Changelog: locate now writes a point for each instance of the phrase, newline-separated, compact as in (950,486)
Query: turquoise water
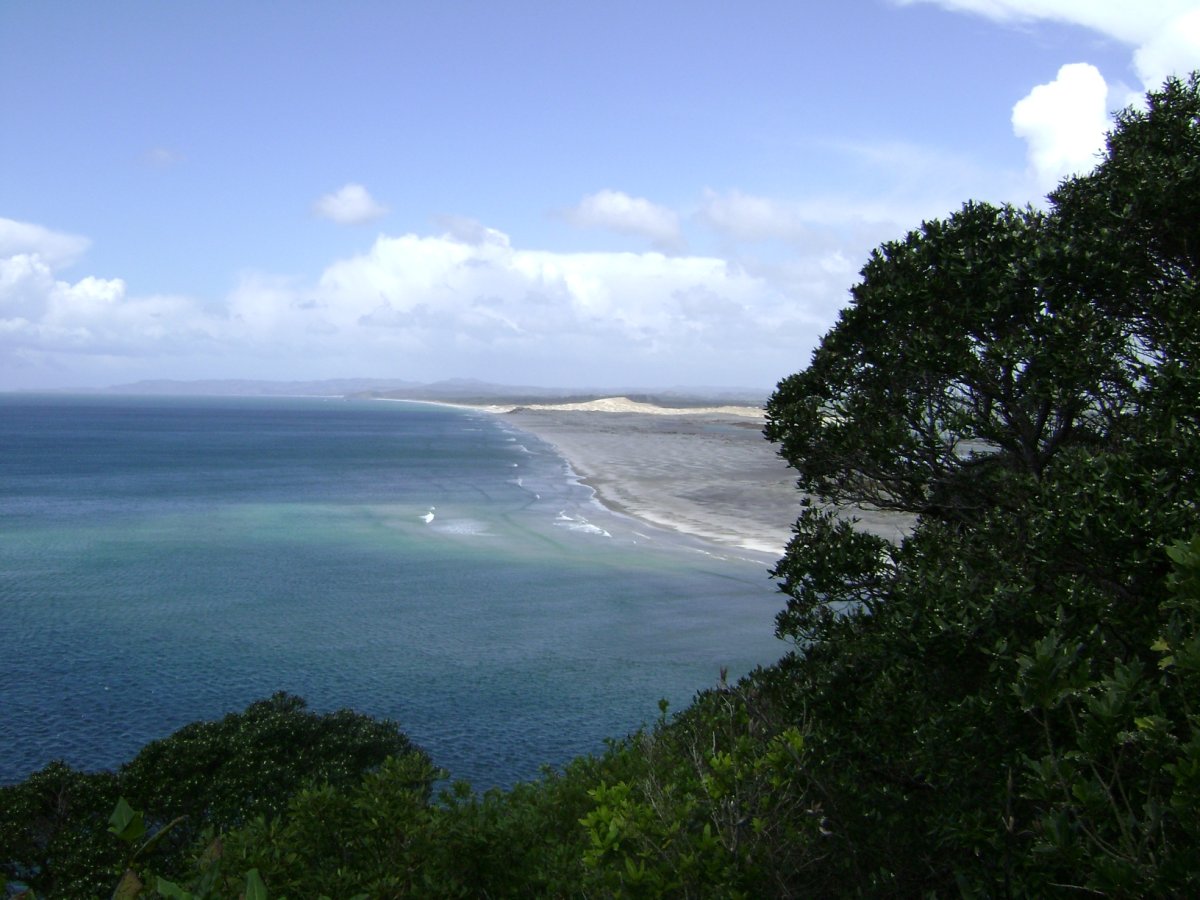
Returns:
(166,560)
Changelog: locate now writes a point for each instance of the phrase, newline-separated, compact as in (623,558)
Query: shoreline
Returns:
(704,472)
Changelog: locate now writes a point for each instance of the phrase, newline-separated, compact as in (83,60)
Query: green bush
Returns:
(53,834)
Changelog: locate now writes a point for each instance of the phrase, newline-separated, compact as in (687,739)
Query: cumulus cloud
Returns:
(619,212)
(492,290)
(90,316)
(350,204)
(55,248)
(467,302)
(1172,50)
(55,322)
(1064,123)
(442,305)
(1062,120)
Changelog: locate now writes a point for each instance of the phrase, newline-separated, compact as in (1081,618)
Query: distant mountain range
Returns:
(244,387)
(454,390)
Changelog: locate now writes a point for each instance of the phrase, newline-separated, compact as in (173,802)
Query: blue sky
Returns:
(567,194)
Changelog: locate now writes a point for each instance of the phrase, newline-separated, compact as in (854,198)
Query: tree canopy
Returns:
(1025,383)
(983,355)
(216,774)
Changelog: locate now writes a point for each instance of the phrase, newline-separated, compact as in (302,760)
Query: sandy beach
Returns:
(708,472)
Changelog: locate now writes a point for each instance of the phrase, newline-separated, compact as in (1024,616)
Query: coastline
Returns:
(707,472)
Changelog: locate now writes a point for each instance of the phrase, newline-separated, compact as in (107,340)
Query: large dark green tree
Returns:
(1025,385)
(972,346)
(984,355)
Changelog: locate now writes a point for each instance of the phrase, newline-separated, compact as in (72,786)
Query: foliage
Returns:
(1118,791)
(52,834)
(207,774)
(128,826)
(1138,212)
(985,357)
(718,804)
(369,838)
(971,353)
(250,763)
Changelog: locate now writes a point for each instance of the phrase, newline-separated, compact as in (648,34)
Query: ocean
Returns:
(164,560)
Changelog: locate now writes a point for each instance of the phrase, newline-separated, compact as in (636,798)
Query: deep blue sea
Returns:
(167,560)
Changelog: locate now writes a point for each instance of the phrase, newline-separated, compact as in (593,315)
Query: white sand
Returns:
(625,405)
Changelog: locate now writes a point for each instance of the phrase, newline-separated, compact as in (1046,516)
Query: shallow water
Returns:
(165,560)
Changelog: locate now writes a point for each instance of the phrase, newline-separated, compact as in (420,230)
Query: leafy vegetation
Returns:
(208,775)
(1002,704)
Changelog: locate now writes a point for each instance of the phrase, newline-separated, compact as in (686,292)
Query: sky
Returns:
(622,194)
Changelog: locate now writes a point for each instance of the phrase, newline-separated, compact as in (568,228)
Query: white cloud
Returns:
(624,214)
(91,316)
(745,217)
(1064,123)
(58,322)
(1062,120)
(55,248)
(465,303)
(1172,50)
(816,219)
(1127,21)
(437,306)
(350,204)
(490,291)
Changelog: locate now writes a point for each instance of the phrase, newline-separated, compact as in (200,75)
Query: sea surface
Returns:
(164,560)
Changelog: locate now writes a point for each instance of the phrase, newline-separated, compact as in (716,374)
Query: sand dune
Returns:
(625,405)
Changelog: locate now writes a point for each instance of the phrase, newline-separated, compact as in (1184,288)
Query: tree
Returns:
(1139,211)
(216,774)
(970,348)
(995,705)
(980,353)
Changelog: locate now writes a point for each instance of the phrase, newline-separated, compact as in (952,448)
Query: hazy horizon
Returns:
(448,387)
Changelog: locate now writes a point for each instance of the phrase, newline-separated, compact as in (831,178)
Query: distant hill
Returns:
(242,387)
(469,391)
(454,390)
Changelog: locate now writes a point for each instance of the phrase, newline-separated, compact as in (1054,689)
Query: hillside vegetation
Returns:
(1005,704)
